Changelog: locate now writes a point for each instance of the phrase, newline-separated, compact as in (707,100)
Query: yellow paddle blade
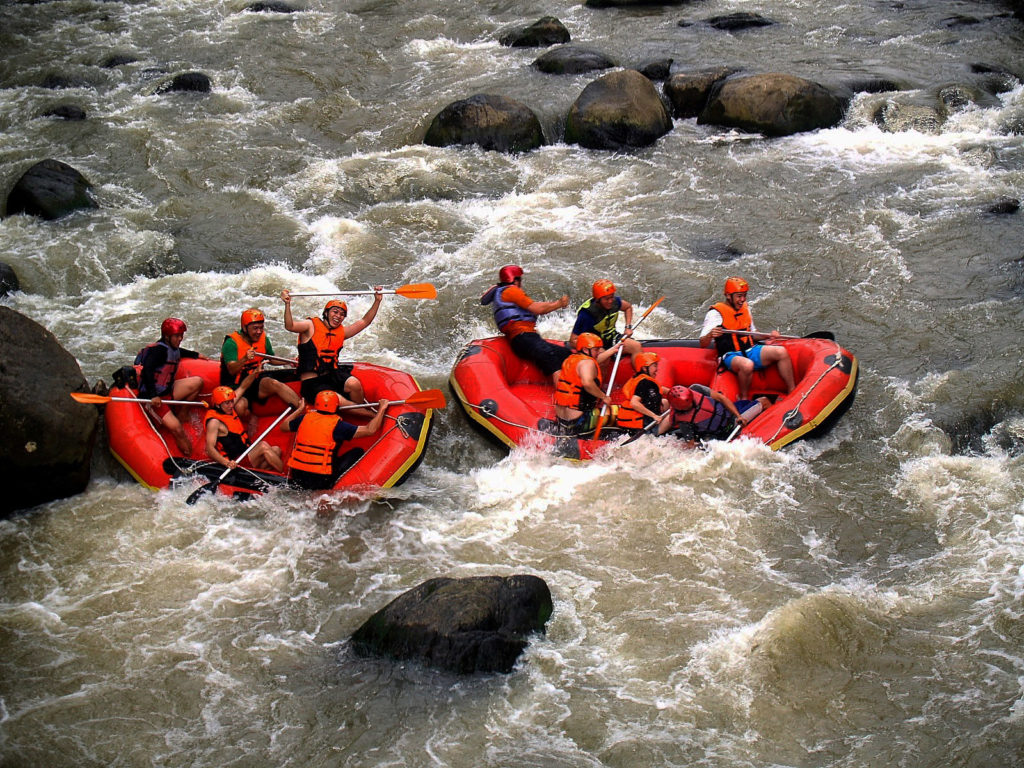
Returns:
(417,291)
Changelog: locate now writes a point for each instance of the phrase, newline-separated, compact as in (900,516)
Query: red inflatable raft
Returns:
(511,400)
(381,460)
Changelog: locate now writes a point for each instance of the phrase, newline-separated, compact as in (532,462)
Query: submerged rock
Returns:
(773,104)
(270,6)
(476,624)
(187,81)
(46,438)
(490,121)
(631,3)
(66,112)
(736,22)
(117,60)
(621,110)
(9,282)
(572,60)
(50,189)
(543,32)
(657,69)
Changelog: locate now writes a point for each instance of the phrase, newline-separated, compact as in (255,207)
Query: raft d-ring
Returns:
(489,408)
(845,363)
(793,419)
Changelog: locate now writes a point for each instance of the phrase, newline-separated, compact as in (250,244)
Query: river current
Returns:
(850,601)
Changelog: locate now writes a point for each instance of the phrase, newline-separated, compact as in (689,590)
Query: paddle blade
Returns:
(209,487)
(428,398)
(417,291)
(88,397)
(651,308)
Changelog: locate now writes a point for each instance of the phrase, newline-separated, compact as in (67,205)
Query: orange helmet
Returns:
(735,285)
(509,273)
(252,315)
(680,397)
(327,401)
(603,288)
(335,303)
(644,359)
(222,395)
(588,341)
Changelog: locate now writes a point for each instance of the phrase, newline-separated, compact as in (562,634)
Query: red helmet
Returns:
(509,273)
(171,326)
(221,395)
(736,285)
(588,341)
(335,303)
(252,315)
(604,288)
(680,397)
(327,401)
(644,359)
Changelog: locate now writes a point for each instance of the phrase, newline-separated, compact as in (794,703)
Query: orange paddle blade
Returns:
(428,398)
(650,308)
(88,397)
(417,291)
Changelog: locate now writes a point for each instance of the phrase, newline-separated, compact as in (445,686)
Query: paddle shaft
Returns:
(87,397)
(276,359)
(255,442)
(618,357)
(769,337)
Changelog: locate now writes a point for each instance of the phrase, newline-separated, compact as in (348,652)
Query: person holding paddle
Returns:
(578,389)
(320,342)
(516,314)
(600,314)
(729,326)
(700,413)
(159,362)
(313,463)
(226,438)
(242,354)
(644,398)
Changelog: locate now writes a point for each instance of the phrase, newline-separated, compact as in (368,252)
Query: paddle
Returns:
(647,429)
(427,398)
(276,359)
(735,431)
(816,335)
(211,486)
(88,397)
(615,367)
(411,291)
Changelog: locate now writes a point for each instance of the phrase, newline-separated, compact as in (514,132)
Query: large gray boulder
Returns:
(572,60)
(773,104)
(46,438)
(50,189)
(476,624)
(621,110)
(490,121)
(688,92)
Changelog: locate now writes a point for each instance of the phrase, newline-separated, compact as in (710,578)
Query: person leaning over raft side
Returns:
(515,314)
(238,358)
(159,362)
(644,403)
(578,390)
(226,439)
(741,353)
(320,342)
(600,314)
(319,432)
(700,413)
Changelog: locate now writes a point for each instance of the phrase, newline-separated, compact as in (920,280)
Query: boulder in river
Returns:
(688,92)
(488,120)
(270,6)
(572,60)
(65,111)
(9,282)
(737,22)
(542,33)
(631,3)
(621,110)
(476,624)
(118,60)
(774,104)
(47,438)
(187,81)
(50,189)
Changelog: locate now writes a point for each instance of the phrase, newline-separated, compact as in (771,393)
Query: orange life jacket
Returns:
(629,417)
(243,344)
(734,320)
(569,391)
(229,444)
(320,353)
(314,443)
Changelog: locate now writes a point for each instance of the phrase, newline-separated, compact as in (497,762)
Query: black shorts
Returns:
(333,380)
(546,355)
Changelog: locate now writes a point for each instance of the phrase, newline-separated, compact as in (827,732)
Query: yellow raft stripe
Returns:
(475,415)
(823,414)
(131,471)
(421,444)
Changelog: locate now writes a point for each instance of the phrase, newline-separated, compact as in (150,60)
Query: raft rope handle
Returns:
(142,404)
(826,372)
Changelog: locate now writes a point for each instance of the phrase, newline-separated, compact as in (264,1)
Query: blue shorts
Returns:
(753,354)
